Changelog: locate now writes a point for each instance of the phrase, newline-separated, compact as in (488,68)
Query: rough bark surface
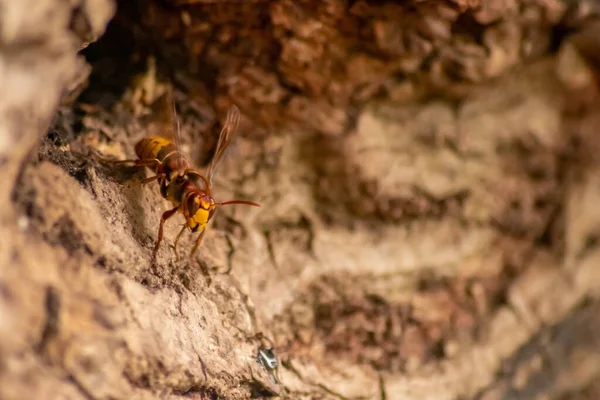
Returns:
(429,182)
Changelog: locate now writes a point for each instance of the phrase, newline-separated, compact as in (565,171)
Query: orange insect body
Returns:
(163,150)
(186,188)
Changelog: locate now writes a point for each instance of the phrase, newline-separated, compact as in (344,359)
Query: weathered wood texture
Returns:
(429,182)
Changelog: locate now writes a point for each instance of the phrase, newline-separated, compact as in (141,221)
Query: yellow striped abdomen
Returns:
(153,147)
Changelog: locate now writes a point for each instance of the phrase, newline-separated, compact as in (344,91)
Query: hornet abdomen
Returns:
(164,151)
(154,147)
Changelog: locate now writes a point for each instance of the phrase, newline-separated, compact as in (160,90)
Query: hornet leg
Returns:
(177,240)
(197,243)
(166,215)
(161,176)
(142,182)
(140,163)
(153,164)
(200,264)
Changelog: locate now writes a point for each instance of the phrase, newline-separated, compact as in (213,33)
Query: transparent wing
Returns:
(164,123)
(175,130)
(225,138)
(160,120)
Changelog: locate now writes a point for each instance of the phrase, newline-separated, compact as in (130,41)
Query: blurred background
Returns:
(428,177)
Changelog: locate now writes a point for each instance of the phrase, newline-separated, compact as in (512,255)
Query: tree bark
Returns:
(428,179)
